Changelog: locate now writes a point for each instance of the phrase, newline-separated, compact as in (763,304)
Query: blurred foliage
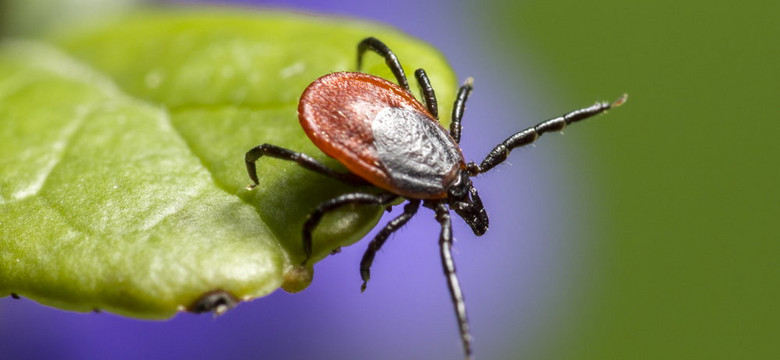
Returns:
(688,249)
(36,17)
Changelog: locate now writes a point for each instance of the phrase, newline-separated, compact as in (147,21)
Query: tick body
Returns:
(388,139)
(381,133)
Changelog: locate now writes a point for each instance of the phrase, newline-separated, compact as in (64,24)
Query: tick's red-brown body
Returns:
(381,133)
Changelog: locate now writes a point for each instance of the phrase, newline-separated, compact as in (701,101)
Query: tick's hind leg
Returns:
(391,60)
(303,160)
(335,203)
(368,257)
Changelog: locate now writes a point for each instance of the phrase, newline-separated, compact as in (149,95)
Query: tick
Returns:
(388,139)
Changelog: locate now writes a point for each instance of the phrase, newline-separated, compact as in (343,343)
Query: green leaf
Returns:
(123,184)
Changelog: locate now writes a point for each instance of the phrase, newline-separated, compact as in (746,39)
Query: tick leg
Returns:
(303,160)
(527,136)
(427,92)
(459,107)
(445,246)
(335,203)
(391,60)
(368,257)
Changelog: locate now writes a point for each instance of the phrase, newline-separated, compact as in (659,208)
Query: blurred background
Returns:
(647,233)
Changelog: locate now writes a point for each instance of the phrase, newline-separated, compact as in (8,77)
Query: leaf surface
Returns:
(124,185)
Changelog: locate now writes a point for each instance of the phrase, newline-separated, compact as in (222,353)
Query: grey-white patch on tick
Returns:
(417,153)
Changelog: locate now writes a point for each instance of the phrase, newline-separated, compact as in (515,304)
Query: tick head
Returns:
(464,199)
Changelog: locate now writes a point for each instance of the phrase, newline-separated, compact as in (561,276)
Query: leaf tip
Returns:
(297,278)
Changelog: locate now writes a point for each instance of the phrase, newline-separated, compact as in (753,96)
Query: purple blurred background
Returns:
(520,280)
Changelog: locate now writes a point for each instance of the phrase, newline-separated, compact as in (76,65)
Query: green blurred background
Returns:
(688,266)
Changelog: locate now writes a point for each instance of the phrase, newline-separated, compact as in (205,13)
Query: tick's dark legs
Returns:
(429,96)
(391,60)
(303,160)
(335,203)
(459,107)
(368,257)
(445,246)
(527,136)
